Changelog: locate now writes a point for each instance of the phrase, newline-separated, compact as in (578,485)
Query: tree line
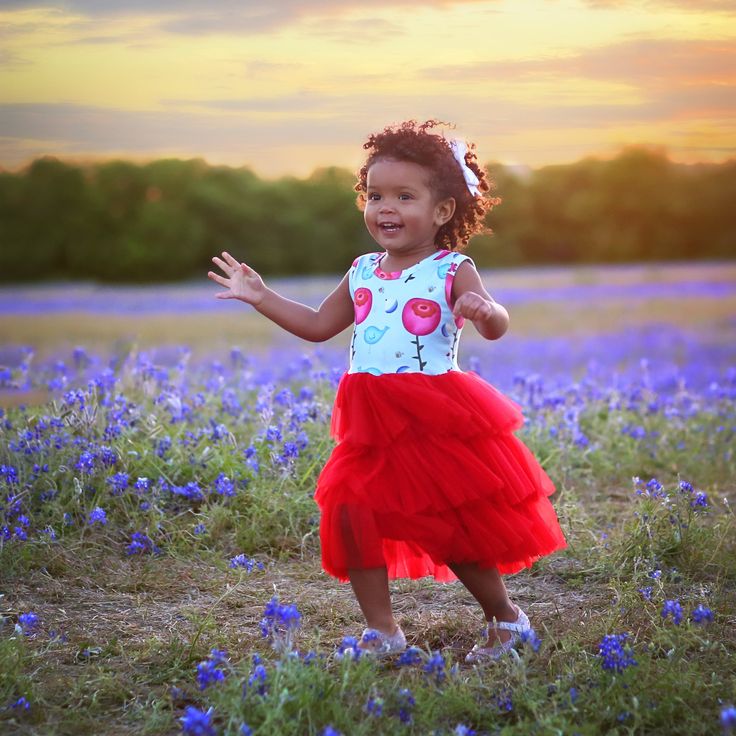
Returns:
(118,221)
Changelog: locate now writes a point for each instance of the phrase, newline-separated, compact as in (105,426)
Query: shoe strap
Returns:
(380,636)
(510,627)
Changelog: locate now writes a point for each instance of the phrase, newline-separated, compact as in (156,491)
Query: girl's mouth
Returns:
(389,227)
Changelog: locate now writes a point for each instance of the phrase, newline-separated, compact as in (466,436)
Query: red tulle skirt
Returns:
(427,471)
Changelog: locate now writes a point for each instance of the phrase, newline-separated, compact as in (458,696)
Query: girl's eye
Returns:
(374,196)
(404,196)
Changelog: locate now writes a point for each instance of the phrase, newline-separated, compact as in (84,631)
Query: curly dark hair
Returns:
(414,142)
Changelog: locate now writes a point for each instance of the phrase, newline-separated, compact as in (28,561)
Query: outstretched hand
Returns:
(240,280)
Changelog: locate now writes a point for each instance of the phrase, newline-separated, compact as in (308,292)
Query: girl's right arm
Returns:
(335,314)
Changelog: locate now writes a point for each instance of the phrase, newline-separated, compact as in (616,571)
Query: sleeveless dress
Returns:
(426,469)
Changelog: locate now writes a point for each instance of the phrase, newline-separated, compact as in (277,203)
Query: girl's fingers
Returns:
(218,279)
(231,261)
(221,264)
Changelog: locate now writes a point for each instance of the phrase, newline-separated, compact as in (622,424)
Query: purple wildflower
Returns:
(409,657)
(258,678)
(140,544)
(673,609)
(242,560)
(406,705)
(530,637)
(435,667)
(197,722)
(615,653)
(279,624)
(374,706)
(29,622)
(97,516)
(349,649)
(211,670)
(702,614)
(728,719)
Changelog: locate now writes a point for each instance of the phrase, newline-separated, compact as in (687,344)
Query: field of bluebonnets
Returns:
(159,556)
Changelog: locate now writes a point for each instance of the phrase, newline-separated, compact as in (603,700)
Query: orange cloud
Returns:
(640,62)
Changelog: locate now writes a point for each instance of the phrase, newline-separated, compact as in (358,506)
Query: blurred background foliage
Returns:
(119,221)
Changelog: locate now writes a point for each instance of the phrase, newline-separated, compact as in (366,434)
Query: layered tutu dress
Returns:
(426,469)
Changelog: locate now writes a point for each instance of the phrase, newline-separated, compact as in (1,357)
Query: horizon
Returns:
(520,170)
(292,87)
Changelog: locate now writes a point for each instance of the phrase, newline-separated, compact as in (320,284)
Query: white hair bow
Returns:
(459,149)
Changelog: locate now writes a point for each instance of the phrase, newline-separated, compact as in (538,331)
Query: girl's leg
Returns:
(487,587)
(371,589)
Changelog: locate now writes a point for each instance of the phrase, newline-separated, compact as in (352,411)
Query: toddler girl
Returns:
(427,477)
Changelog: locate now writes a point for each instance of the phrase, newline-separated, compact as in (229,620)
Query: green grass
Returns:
(130,630)
(136,627)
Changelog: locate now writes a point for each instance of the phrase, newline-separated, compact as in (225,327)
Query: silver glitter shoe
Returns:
(380,644)
(479,654)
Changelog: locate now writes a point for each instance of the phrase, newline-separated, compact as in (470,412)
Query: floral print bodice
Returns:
(403,320)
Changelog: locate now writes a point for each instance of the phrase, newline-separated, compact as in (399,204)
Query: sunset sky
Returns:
(284,86)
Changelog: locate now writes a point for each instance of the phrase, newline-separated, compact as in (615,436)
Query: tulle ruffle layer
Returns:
(426,471)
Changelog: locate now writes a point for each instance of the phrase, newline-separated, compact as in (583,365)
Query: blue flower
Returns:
(349,648)
(22,702)
(196,722)
(97,516)
(210,670)
(504,700)
(279,624)
(410,656)
(674,609)
(462,730)
(224,486)
(119,483)
(435,667)
(9,473)
(28,622)
(406,705)
(330,731)
(248,563)
(702,614)
(86,462)
(615,653)
(530,637)
(257,679)
(728,719)
(699,500)
(374,706)
(142,484)
(140,544)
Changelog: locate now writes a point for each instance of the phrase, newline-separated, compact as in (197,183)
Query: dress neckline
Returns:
(389,275)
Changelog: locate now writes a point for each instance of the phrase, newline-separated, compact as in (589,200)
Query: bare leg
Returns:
(486,585)
(371,589)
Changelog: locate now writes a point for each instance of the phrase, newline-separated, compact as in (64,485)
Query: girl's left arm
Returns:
(473,302)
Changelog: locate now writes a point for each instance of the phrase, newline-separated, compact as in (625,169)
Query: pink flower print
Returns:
(363,301)
(421,316)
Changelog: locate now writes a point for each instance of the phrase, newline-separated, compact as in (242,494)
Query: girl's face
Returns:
(401,211)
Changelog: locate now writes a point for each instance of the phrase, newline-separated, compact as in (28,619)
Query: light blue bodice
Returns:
(403,320)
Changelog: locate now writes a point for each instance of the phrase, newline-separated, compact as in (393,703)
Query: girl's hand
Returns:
(241,281)
(473,306)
